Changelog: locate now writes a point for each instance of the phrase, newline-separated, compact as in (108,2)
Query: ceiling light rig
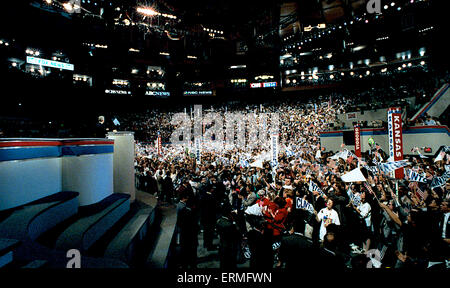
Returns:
(149,11)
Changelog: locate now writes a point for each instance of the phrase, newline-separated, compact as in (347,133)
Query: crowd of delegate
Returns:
(298,212)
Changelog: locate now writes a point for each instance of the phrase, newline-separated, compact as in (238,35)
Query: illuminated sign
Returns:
(395,138)
(263,85)
(157,93)
(121,92)
(50,63)
(357,131)
(195,93)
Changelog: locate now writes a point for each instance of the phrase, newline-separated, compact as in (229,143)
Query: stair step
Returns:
(36,264)
(6,258)
(87,230)
(158,257)
(130,238)
(33,219)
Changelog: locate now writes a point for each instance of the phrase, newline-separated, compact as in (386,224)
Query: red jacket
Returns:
(288,203)
(277,223)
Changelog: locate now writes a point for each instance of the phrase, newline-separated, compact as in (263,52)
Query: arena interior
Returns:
(255,135)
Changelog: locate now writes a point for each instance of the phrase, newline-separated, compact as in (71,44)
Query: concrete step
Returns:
(87,230)
(7,249)
(159,256)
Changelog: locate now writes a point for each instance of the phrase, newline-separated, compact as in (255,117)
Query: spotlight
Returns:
(147,11)
(68,6)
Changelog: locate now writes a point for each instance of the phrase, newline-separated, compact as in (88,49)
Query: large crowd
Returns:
(298,212)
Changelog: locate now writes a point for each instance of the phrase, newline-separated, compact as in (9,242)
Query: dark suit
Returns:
(100,130)
(261,249)
(208,208)
(229,243)
(298,252)
(167,189)
(187,229)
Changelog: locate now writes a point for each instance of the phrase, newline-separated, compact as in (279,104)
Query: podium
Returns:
(123,162)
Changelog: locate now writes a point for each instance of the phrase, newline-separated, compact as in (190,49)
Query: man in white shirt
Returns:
(445,224)
(326,216)
(430,121)
(365,212)
(159,176)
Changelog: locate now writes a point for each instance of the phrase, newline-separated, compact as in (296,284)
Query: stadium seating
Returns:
(93,222)
(131,237)
(7,247)
(31,220)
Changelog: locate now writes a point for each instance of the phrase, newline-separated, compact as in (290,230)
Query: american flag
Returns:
(158,143)
(369,188)
(383,252)
(420,193)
